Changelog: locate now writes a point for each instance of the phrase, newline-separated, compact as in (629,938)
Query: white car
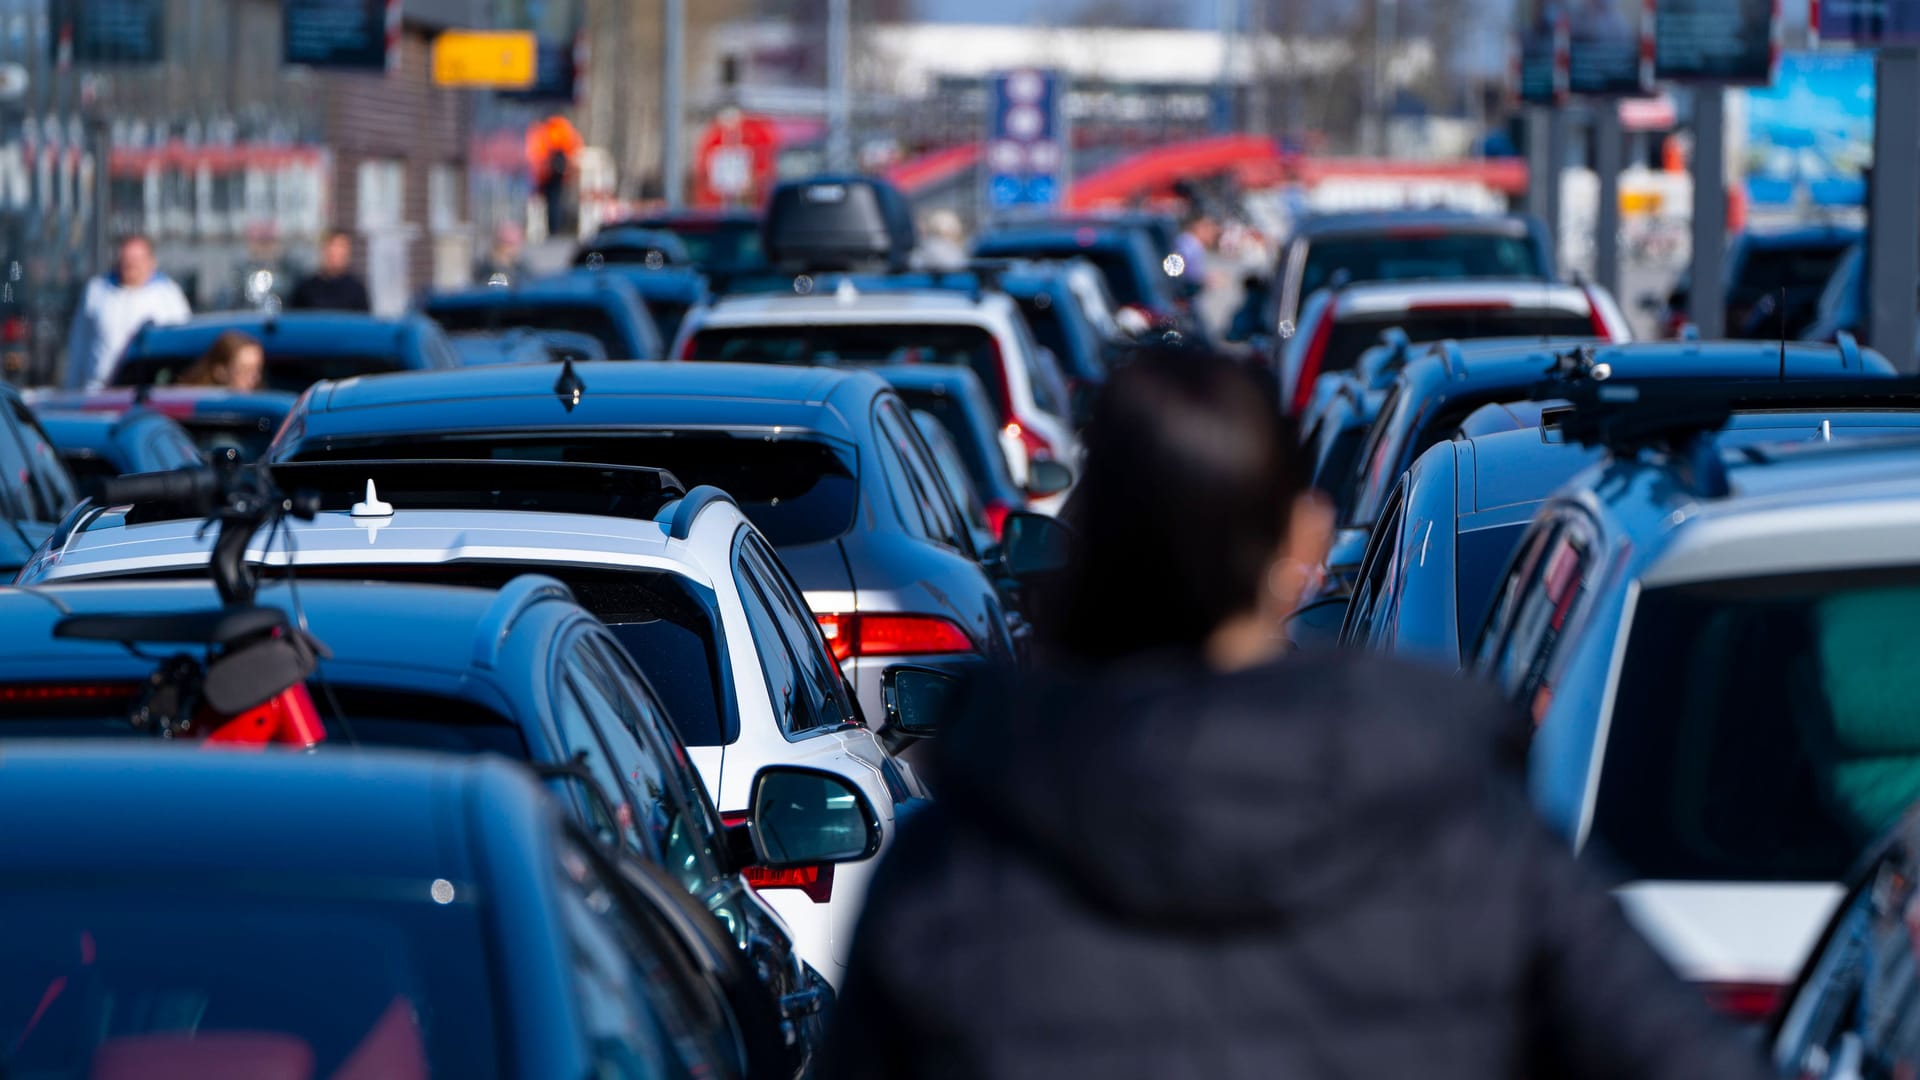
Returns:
(691,589)
(848,321)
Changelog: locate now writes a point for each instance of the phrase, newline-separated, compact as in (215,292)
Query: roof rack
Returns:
(680,515)
(484,484)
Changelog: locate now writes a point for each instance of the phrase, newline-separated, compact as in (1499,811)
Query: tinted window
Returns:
(1049,329)
(380,965)
(1411,256)
(669,314)
(245,434)
(731,246)
(924,485)
(953,472)
(1353,335)
(585,703)
(1481,557)
(985,462)
(46,473)
(1335,471)
(1859,991)
(1116,265)
(1512,591)
(1764,730)
(1374,476)
(786,688)
(795,490)
(1544,616)
(825,686)
(580,318)
(830,346)
(288,372)
(1797,269)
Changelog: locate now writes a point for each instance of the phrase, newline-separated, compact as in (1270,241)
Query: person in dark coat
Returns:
(1177,851)
(333,287)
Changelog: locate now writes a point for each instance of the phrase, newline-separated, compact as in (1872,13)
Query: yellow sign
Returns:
(484,59)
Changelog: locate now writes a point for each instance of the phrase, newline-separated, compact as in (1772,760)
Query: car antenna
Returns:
(568,387)
(1783,333)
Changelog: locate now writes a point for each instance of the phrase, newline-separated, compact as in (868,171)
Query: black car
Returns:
(1123,255)
(631,244)
(364,913)
(35,488)
(718,242)
(523,673)
(603,306)
(1404,245)
(97,446)
(302,347)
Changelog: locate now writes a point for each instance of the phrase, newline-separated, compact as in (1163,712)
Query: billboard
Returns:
(1809,136)
(1026,148)
(1543,52)
(1868,22)
(338,33)
(108,31)
(1725,41)
(1603,47)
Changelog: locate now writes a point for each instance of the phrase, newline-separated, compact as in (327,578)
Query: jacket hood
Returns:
(1164,791)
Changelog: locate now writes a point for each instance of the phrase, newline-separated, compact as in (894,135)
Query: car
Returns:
(1426,580)
(96,446)
(953,476)
(1842,305)
(218,420)
(36,489)
(362,913)
(845,325)
(1853,1001)
(650,248)
(1123,255)
(522,672)
(302,347)
(521,345)
(826,464)
(602,306)
(953,396)
(1761,262)
(1405,245)
(1705,648)
(689,588)
(1338,325)
(669,292)
(1052,307)
(720,243)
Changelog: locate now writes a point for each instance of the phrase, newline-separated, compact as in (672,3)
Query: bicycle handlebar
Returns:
(198,487)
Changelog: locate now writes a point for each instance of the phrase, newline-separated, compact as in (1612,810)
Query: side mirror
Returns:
(1046,478)
(920,701)
(1317,623)
(1034,545)
(807,817)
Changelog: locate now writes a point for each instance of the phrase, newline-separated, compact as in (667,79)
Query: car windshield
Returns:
(581,318)
(863,344)
(291,372)
(795,489)
(1353,335)
(186,974)
(1763,729)
(1418,254)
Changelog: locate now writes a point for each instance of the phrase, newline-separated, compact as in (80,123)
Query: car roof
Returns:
(1366,222)
(1089,235)
(682,283)
(616,394)
(1393,297)
(106,546)
(289,333)
(357,812)
(1519,365)
(1517,466)
(561,288)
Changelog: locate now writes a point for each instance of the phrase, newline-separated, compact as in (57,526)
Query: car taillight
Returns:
(997,512)
(815,881)
(13,330)
(1751,1002)
(686,349)
(1594,318)
(1036,445)
(45,693)
(888,634)
(1310,364)
(1460,307)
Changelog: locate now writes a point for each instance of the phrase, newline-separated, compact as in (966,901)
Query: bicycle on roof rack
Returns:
(245,683)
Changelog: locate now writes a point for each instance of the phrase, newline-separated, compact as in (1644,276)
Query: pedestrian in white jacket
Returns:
(116,305)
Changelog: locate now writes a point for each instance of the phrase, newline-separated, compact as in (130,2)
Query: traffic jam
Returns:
(535,683)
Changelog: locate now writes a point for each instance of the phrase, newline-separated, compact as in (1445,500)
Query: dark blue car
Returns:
(1123,255)
(669,292)
(603,306)
(97,446)
(302,347)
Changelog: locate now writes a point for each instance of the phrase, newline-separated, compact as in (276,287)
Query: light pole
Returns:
(673,167)
(1386,16)
(839,138)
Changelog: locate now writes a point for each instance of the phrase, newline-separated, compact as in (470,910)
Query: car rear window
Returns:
(1764,729)
(580,318)
(729,246)
(188,973)
(864,345)
(796,489)
(291,372)
(1353,335)
(1798,269)
(1116,268)
(1416,255)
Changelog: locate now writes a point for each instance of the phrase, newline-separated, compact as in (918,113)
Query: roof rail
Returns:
(1850,358)
(1379,364)
(680,515)
(1453,358)
(515,599)
(76,519)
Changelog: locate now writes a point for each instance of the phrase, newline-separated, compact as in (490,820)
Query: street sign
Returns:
(1868,22)
(1603,48)
(494,60)
(336,33)
(1542,74)
(108,31)
(1027,143)
(1719,41)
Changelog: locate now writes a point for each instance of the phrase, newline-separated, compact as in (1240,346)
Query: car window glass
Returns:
(1542,618)
(49,474)
(585,706)
(1385,573)
(1369,481)
(927,489)
(17,495)
(1498,629)
(171,449)
(785,683)
(953,471)
(825,685)
(571,706)
(913,515)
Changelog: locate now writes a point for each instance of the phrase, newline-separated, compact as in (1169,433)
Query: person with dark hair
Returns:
(115,306)
(333,287)
(1179,851)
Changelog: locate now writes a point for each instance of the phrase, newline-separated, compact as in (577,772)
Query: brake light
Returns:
(46,693)
(686,347)
(1036,445)
(997,512)
(1751,1002)
(815,881)
(1310,364)
(1461,306)
(13,330)
(1599,322)
(850,635)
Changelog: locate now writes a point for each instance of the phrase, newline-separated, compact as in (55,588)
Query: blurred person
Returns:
(552,147)
(235,361)
(507,257)
(1177,851)
(114,307)
(943,241)
(1198,238)
(333,287)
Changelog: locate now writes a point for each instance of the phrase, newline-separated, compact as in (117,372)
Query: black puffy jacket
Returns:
(1317,868)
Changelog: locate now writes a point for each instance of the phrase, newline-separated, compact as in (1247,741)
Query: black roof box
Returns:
(838,223)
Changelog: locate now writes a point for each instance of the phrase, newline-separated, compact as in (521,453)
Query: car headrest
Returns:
(220,1055)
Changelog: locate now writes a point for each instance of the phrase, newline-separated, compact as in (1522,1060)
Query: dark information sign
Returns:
(108,31)
(1869,22)
(1728,41)
(1603,47)
(554,75)
(337,33)
(1543,53)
